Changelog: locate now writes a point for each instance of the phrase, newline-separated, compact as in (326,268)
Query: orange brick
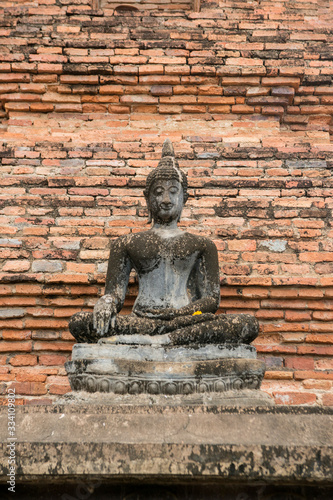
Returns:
(30,376)
(327,399)
(59,389)
(314,349)
(16,335)
(297,316)
(324,364)
(41,107)
(79,79)
(29,388)
(49,68)
(52,359)
(323,385)
(294,398)
(23,360)
(278,375)
(300,363)
(304,374)
(52,346)
(45,323)
(15,346)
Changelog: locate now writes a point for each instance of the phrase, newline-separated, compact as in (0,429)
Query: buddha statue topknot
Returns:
(173,318)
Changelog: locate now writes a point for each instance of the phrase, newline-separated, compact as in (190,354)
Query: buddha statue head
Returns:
(166,188)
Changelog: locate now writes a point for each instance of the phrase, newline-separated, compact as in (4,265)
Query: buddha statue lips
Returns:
(178,273)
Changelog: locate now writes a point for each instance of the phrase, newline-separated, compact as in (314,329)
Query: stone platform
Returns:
(194,373)
(194,445)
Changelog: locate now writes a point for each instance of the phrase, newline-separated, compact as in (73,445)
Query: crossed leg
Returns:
(201,329)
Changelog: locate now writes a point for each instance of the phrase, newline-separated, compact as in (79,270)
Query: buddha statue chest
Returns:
(163,282)
(148,252)
(163,268)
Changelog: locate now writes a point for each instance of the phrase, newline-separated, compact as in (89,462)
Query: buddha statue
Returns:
(178,274)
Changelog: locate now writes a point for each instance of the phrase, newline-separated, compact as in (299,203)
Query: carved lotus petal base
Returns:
(149,371)
(169,385)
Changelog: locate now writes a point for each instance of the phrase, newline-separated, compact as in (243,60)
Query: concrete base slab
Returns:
(170,444)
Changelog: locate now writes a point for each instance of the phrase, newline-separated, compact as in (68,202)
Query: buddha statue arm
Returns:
(206,283)
(204,288)
(119,268)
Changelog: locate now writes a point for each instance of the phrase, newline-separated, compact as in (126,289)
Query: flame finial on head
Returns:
(167,149)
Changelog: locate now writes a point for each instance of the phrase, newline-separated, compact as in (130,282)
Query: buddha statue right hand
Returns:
(104,315)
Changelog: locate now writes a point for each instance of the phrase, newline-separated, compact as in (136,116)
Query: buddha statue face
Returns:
(166,188)
(165,200)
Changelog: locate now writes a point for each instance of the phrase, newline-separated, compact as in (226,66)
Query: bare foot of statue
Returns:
(178,273)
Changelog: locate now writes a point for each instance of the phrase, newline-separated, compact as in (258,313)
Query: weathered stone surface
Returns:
(245,398)
(173,444)
(144,369)
(161,353)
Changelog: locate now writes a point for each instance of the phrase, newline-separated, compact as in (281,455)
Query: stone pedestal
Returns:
(189,452)
(226,374)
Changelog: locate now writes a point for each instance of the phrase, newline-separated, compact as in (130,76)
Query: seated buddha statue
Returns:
(178,275)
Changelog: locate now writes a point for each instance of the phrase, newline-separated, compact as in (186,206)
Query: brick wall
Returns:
(244,90)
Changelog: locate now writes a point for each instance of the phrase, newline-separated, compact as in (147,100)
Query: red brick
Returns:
(41,107)
(30,376)
(29,388)
(28,289)
(14,77)
(68,108)
(269,314)
(323,315)
(294,398)
(23,360)
(279,375)
(52,346)
(300,363)
(52,359)
(327,399)
(316,350)
(323,385)
(281,82)
(79,79)
(297,316)
(16,334)
(15,346)
(59,389)
(301,375)
(49,68)
(242,109)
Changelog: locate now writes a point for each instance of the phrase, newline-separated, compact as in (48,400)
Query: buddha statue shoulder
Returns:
(178,275)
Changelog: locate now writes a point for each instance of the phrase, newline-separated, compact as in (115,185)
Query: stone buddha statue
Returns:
(178,274)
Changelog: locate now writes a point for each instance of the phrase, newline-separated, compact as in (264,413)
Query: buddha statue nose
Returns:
(166,198)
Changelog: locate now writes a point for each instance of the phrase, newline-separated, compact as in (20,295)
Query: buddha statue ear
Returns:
(150,218)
